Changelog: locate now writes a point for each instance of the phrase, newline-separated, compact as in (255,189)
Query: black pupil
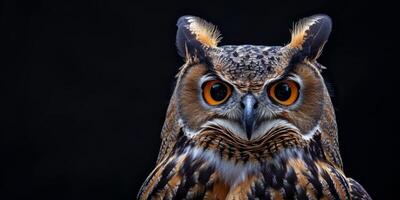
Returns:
(282,91)
(218,91)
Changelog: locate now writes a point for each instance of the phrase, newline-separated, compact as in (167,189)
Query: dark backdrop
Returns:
(85,86)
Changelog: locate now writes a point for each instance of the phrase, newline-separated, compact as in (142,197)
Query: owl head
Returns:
(253,91)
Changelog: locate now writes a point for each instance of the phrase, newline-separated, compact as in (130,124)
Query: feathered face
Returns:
(251,91)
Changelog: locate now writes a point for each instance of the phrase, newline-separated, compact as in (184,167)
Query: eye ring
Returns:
(285,92)
(216,92)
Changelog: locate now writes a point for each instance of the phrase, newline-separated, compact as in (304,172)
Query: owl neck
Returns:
(236,162)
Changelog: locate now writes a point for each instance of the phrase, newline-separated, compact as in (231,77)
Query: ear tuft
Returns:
(195,35)
(310,35)
(205,32)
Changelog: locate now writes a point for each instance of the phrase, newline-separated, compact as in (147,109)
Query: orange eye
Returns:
(284,92)
(216,92)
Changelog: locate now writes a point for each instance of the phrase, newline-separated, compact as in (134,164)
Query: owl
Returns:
(249,121)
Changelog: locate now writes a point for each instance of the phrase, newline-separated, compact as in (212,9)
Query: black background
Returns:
(85,86)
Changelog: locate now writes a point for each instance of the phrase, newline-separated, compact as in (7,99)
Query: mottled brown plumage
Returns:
(269,130)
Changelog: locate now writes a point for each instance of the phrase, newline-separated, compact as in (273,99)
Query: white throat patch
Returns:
(233,173)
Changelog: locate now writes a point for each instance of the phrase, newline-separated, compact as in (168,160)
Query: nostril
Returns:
(242,105)
(255,105)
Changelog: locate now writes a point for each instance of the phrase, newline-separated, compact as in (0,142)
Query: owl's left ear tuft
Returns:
(195,36)
(310,34)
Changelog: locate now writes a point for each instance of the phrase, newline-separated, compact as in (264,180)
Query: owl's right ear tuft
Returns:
(195,36)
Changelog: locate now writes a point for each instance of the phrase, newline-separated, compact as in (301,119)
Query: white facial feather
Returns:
(237,128)
(310,134)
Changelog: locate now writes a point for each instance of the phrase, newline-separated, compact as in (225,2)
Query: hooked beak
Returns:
(249,103)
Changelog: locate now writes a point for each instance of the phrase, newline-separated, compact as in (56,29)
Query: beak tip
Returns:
(249,133)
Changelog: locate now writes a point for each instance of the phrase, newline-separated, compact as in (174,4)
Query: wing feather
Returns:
(357,191)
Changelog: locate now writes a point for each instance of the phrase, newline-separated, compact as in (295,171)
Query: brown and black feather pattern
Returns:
(288,168)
